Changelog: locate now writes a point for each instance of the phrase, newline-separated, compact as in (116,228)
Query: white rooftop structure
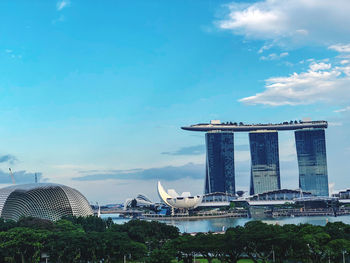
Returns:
(141,201)
(174,200)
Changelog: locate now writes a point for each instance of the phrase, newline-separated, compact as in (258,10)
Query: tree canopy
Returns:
(92,239)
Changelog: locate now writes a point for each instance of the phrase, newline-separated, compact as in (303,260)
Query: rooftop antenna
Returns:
(36,178)
(12,177)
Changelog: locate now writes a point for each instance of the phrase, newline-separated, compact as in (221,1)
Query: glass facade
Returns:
(283,194)
(220,166)
(312,161)
(265,168)
(218,197)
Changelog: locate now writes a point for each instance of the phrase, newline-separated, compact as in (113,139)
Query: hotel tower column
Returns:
(220,166)
(312,161)
(265,168)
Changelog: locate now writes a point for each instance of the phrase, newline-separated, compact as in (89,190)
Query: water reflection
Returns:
(217,224)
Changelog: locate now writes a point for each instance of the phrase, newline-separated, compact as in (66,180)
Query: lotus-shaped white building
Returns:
(174,200)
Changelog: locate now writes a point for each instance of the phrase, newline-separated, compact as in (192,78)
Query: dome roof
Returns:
(42,200)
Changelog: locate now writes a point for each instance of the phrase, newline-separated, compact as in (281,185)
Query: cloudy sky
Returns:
(93,93)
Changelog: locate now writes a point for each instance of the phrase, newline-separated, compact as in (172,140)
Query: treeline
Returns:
(82,239)
(92,239)
(261,242)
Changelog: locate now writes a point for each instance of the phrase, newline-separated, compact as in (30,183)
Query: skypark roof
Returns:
(241,127)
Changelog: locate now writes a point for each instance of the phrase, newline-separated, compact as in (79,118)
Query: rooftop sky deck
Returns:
(241,127)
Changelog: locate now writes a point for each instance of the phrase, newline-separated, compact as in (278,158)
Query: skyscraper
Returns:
(312,161)
(220,166)
(265,168)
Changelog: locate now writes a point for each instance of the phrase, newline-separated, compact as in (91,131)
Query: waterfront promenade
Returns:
(198,216)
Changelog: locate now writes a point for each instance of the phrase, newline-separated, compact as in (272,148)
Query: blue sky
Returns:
(93,93)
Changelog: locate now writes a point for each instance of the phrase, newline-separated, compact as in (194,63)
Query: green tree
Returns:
(66,246)
(76,246)
(23,244)
(338,230)
(154,234)
(186,247)
(162,255)
(6,225)
(315,242)
(89,223)
(119,245)
(336,248)
(35,223)
(287,243)
(207,245)
(232,245)
(96,246)
(64,225)
(254,233)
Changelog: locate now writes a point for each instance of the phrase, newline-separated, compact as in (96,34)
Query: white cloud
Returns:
(289,22)
(12,54)
(274,56)
(302,32)
(343,109)
(62,4)
(342,48)
(264,47)
(321,83)
(319,66)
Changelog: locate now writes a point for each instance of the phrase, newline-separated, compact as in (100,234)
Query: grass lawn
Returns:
(202,260)
(218,261)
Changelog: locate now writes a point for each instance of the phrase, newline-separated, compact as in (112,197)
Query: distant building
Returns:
(46,201)
(312,161)
(218,197)
(141,201)
(265,168)
(220,166)
(282,194)
(315,202)
(343,194)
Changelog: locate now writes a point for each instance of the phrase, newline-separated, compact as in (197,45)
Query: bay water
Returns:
(220,224)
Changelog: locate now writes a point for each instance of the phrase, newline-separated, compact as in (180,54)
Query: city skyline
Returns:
(93,95)
(310,142)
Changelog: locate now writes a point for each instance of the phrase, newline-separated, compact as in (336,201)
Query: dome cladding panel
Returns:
(47,201)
